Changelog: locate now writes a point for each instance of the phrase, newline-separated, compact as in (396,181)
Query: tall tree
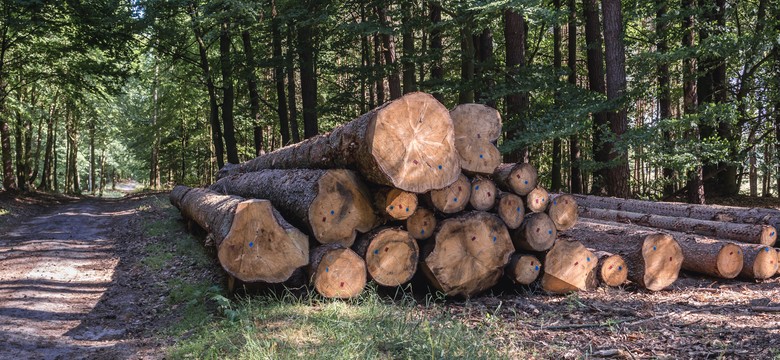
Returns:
(306,58)
(228,93)
(437,70)
(517,101)
(574,141)
(388,42)
(617,173)
(154,164)
(486,61)
(602,148)
(664,86)
(281,99)
(467,55)
(557,64)
(407,43)
(291,93)
(695,184)
(251,83)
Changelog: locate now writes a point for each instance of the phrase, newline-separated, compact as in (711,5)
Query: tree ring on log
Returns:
(391,257)
(662,260)
(729,261)
(477,127)
(340,209)
(341,274)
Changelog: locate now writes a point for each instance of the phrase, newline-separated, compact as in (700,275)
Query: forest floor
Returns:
(120,278)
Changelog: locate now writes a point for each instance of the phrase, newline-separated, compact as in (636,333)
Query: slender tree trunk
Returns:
(251,82)
(45,183)
(436,51)
(727,179)
(291,93)
(486,63)
(407,41)
(557,64)
(467,53)
(21,172)
(690,102)
(281,107)
(365,51)
(601,146)
(664,88)
(517,102)
(154,177)
(393,79)
(216,132)
(228,94)
(776,112)
(616,176)
(102,169)
(379,74)
(574,141)
(307,59)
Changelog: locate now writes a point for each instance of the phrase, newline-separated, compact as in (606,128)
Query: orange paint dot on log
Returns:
(566,202)
(731,253)
(415,162)
(460,189)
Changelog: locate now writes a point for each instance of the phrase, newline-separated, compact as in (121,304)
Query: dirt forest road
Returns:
(68,290)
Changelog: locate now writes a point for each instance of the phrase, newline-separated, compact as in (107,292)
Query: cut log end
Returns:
(563,212)
(768,235)
(663,259)
(337,272)
(523,269)
(259,247)
(511,209)
(538,199)
(537,233)
(412,142)
(729,261)
(341,209)
(483,194)
(391,257)
(421,224)
(469,254)
(569,266)
(476,128)
(452,198)
(760,262)
(520,178)
(613,270)
(396,203)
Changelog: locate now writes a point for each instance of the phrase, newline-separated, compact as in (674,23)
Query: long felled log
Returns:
(391,255)
(760,262)
(563,212)
(395,203)
(523,269)
(569,266)
(537,233)
(519,178)
(254,242)
(653,259)
(483,194)
(701,254)
(477,127)
(337,272)
(468,254)
(693,211)
(511,209)
(332,204)
(452,198)
(421,224)
(612,269)
(754,234)
(407,143)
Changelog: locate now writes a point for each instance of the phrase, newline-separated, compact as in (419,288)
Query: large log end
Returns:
(342,208)
(337,272)
(391,257)
(563,212)
(569,266)
(477,127)
(663,259)
(729,261)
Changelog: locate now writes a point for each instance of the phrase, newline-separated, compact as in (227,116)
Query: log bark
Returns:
(337,272)
(778,261)
(421,224)
(611,269)
(694,211)
(537,200)
(483,194)
(468,254)
(569,266)
(760,262)
(332,204)
(477,128)
(537,233)
(523,269)
(653,259)
(519,178)
(563,212)
(747,233)
(395,203)
(453,198)
(391,255)
(406,143)
(701,254)
(255,243)
(511,209)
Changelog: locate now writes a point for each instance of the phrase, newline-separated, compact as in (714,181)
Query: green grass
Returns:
(290,327)
(4,211)
(173,241)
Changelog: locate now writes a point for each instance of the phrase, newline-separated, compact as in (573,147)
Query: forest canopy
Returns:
(629,98)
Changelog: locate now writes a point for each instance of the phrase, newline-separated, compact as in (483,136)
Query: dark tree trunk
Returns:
(49,149)
(436,51)
(690,103)
(776,56)
(601,146)
(291,97)
(281,107)
(727,179)
(388,42)
(617,175)
(467,54)
(92,168)
(574,141)
(21,170)
(367,63)
(216,129)
(664,88)
(154,166)
(228,95)
(517,102)
(379,73)
(485,57)
(407,41)
(251,82)
(307,59)
(557,64)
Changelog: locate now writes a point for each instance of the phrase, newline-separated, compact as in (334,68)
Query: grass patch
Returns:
(4,211)
(173,240)
(291,327)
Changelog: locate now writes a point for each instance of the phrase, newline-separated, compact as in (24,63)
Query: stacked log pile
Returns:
(413,188)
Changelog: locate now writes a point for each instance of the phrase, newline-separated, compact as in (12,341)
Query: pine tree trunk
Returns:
(251,82)
(664,87)
(307,60)
(228,94)
(391,255)
(48,152)
(436,51)
(555,170)
(337,272)
(695,184)
(333,205)
(407,43)
(291,93)
(379,74)
(388,42)
(486,65)
(255,243)
(384,145)
(517,102)
(601,145)
(574,147)
(477,128)
(467,58)
(569,266)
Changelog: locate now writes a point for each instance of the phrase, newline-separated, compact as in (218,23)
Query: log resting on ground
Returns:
(391,255)
(569,266)
(332,204)
(476,128)
(337,272)
(523,269)
(612,269)
(747,233)
(255,243)
(407,143)
(468,254)
(760,262)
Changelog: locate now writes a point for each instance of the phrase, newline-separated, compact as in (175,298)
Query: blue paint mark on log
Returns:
(455,199)
(376,252)
(439,167)
(536,268)
(476,187)
(251,244)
